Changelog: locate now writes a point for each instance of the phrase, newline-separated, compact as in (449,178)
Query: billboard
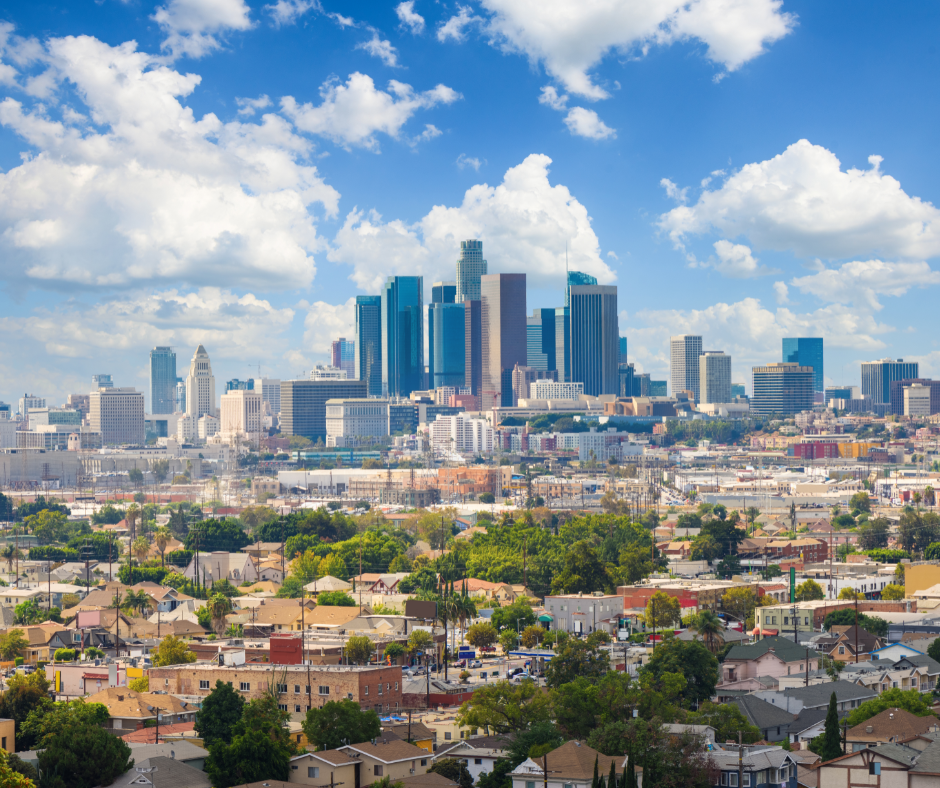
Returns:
(416,608)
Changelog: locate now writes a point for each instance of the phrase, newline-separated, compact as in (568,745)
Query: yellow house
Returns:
(388,757)
(418,733)
(920,577)
(329,767)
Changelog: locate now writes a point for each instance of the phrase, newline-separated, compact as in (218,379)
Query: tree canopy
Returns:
(341,721)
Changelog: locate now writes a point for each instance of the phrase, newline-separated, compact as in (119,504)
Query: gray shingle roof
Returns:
(807,719)
(897,752)
(754,760)
(921,660)
(818,694)
(785,649)
(761,713)
(167,773)
(929,760)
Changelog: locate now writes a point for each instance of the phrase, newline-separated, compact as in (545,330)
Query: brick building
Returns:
(299,687)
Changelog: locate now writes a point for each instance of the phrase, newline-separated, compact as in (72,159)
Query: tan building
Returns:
(388,757)
(372,687)
(240,416)
(8,735)
(327,767)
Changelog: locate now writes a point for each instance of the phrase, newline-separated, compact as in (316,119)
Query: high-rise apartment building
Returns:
(343,355)
(684,352)
(200,385)
(563,343)
(715,377)
(446,340)
(303,404)
(595,340)
(877,377)
(118,415)
(28,401)
(270,390)
(503,335)
(240,415)
(781,389)
(162,380)
(470,267)
(576,278)
(807,352)
(369,343)
(473,347)
(101,381)
(540,340)
(402,335)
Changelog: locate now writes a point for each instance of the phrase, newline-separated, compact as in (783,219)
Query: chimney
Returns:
(870,729)
(173,754)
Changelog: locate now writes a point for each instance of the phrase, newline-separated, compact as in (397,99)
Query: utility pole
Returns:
(525,581)
(856,627)
(740,760)
(806,683)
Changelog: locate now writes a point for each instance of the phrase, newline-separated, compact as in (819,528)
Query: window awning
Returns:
(546,617)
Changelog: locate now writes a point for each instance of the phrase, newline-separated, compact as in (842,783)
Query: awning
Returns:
(770,632)
(546,617)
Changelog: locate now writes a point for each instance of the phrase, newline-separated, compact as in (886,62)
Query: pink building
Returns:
(771,656)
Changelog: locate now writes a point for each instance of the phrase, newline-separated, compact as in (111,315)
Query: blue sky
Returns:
(232,173)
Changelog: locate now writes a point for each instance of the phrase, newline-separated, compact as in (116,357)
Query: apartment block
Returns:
(118,415)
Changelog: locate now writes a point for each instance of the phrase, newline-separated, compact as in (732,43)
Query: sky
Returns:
(233,174)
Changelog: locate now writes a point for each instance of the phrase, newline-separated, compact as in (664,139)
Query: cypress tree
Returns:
(612,779)
(595,783)
(831,744)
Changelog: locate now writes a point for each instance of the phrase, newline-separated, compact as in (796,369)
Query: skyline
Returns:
(262,204)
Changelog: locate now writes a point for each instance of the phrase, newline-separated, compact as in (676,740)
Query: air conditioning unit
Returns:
(349,695)
(411,771)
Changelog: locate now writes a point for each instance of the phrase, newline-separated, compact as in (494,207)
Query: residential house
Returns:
(271,571)
(762,766)
(388,757)
(503,592)
(163,772)
(895,651)
(807,725)
(261,551)
(891,725)
(182,751)
(327,767)
(130,710)
(327,583)
(416,732)
(39,636)
(372,583)
(890,764)
(845,643)
(477,759)
(167,599)
(428,780)
(569,766)
(773,722)
(237,568)
(771,656)
(816,696)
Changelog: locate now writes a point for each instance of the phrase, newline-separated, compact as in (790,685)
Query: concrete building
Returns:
(343,355)
(917,400)
(503,335)
(462,435)
(806,352)
(207,426)
(582,614)
(303,404)
(162,380)
(402,335)
(540,340)
(54,417)
(522,379)
(240,416)
(270,390)
(369,343)
(101,381)
(877,377)
(715,377)
(200,385)
(781,389)
(554,390)
(684,353)
(896,396)
(471,267)
(118,415)
(473,348)
(355,422)
(595,341)
(323,372)
(28,401)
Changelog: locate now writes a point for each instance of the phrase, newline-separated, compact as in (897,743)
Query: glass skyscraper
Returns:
(877,377)
(595,341)
(470,267)
(402,335)
(807,352)
(503,334)
(162,380)
(473,348)
(563,344)
(369,343)
(540,340)
(446,337)
(577,278)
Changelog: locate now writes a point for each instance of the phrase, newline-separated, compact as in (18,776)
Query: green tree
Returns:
(226,535)
(336,722)
(84,755)
(12,644)
(873,534)
(219,606)
(710,629)
(420,640)
(846,617)
(727,720)
(24,694)
(662,611)
(933,650)
(393,651)
(503,707)
(705,548)
(532,636)
(509,640)
(573,659)
(453,770)
(16,773)
(516,616)
(828,744)
(172,651)
(141,684)
(335,599)
(45,722)
(359,649)
(860,502)
(48,527)
(219,714)
(690,659)
(64,655)
(739,602)
(808,591)
(893,592)
(583,572)
(482,635)
(575,707)
(895,698)
(728,567)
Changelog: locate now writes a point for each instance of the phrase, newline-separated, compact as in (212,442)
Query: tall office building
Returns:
(470,267)
(303,404)
(503,335)
(782,389)
(715,377)
(101,381)
(240,385)
(200,385)
(595,340)
(369,343)
(576,278)
(473,347)
(877,377)
(402,335)
(563,344)
(807,352)
(684,352)
(446,340)
(540,340)
(28,401)
(270,390)
(117,414)
(623,351)
(240,415)
(180,395)
(343,355)
(162,380)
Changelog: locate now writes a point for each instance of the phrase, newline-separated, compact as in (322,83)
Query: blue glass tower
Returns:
(369,343)
(447,338)
(402,335)
(807,352)
(540,340)
(162,380)
(577,278)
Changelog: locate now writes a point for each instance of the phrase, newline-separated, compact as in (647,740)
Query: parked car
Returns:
(476,664)
(514,672)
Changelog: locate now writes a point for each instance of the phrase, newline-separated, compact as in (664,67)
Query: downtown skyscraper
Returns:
(684,352)
(446,337)
(470,267)
(503,335)
(369,343)
(807,352)
(595,340)
(402,335)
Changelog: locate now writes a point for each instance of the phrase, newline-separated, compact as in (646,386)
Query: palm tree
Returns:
(10,554)
(140,547)
(161,539)
(135,601)
(131,516)
(219,607)
(917,499)
(929,496)
(709,627)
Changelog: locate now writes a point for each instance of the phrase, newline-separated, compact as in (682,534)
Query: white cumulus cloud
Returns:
(352,113)
(570,38)
(286,12)
(410,18)
(524,223)
(380,48)
(737,262)
(248,106)
(464,161)
(193,27)
(585,123)
(456,27)
(861,283)
(325,322)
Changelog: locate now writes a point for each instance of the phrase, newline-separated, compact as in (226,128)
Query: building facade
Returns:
(684,353)
(270,390)
(877,377)
(715,377)
(806,352)
(162,380)
(343,355)
(369,343)
(917,400)
(303,404)
(503,335)
(462,435)
(595,341)
(240,415)
(898,387)
(355,422)
(551,389)
(782,389)
(470,268)
(117,414)
(446,345)
(200,385)
(576,278)
(540,340)
(402,335)
(473,348)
